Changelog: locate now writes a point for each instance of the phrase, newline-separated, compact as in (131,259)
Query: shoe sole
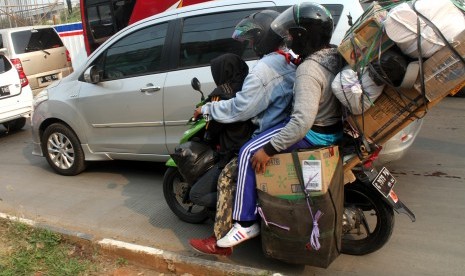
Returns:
(210,254)
(237,242)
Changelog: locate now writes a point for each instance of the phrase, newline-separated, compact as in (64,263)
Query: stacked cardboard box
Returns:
(444,72)
(367,36)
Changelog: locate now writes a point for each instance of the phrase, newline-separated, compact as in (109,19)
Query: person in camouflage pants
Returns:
(225,202)
(223,216)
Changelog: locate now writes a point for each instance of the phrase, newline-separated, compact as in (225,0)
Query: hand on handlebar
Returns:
(197,112)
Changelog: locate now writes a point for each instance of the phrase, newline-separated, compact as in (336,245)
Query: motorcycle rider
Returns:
(266,94)
(229,72)
(316,118)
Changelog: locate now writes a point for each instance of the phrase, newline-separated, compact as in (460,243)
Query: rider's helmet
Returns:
(306,28)
(255,28)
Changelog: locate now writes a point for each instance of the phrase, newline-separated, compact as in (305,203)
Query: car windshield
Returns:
(4,64)
(35,40)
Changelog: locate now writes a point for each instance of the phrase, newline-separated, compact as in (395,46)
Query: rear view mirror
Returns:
(195,84)
(93,74)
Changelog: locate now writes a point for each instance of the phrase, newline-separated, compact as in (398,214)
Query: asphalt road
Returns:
(123,200)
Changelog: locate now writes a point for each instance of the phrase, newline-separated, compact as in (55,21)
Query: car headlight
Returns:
(42,96)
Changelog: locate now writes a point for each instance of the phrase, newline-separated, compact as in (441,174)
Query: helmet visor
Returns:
(283,23)
(246,31)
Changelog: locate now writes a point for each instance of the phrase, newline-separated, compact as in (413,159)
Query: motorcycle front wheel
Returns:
(368,221)
(175,191)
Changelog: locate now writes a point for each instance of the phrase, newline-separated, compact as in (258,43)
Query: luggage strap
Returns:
(314,237)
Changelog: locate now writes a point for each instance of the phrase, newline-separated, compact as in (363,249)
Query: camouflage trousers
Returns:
(226,194)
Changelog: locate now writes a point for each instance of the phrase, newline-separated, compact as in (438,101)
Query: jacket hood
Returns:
(328,58)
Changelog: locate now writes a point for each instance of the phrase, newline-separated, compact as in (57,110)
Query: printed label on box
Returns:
(311,171)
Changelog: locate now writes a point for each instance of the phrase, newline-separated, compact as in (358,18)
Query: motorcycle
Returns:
(175,189)
(369,198)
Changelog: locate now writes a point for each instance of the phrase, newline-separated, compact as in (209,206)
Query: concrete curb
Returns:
(158,259)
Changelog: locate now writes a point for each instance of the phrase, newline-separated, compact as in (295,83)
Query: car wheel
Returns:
(63,150)
(15,125)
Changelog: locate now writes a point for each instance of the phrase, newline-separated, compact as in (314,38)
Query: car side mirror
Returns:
(93,74)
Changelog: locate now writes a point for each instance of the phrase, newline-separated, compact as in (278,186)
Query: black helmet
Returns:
(306,27)
(256,29)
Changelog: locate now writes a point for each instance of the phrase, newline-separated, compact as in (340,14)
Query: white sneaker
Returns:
(238,234)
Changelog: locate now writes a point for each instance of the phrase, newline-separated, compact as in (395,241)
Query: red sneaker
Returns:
(208,246)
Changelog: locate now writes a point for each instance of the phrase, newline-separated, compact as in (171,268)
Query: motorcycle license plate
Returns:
(384,182)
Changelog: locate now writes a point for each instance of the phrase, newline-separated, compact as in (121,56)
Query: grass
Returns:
(32,251)
(29,251)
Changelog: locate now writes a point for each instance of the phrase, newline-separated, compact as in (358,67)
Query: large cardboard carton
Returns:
(444,72)
(280,178)
(367,36)
(390,111)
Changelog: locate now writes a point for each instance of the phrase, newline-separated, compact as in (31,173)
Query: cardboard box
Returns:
(280,178)
(368,37)
(391,110)
(444,73)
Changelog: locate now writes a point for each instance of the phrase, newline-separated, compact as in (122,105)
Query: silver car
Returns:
(131,99)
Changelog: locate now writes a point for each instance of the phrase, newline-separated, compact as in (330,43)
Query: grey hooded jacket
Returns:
(314,101)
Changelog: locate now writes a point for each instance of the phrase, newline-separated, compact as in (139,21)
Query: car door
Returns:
(203,37)
(124,111)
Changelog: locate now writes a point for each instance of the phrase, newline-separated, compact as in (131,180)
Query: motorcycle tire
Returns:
(174,191)
(366,199)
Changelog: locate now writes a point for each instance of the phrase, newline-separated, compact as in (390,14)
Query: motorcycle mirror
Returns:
(195,83)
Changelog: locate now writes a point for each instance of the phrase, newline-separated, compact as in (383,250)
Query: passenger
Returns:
(229,72)
(316,118)
(266,94)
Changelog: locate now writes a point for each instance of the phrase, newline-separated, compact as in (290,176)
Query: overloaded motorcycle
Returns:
(369,198)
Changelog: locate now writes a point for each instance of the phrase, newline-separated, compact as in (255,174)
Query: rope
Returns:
(262,215)
(315,236)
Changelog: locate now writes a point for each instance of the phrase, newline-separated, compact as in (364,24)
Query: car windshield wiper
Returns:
(29,49)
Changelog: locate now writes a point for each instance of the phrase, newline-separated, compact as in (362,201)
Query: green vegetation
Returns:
(28,251)
(75,15)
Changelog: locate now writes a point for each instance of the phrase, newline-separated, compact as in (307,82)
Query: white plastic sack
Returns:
(401,26)
(348,89)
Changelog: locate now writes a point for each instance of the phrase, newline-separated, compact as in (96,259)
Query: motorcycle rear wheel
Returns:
(375,220)
(174,191)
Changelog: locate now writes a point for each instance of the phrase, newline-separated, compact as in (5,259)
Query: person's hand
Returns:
(197,112)
(259,160)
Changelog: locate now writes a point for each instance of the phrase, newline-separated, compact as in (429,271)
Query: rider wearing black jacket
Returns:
(229,72)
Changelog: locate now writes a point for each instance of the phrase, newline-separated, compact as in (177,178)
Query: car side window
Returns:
(138,53)
(208,36)
(4,64)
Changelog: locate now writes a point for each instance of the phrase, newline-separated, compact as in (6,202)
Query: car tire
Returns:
(63,150)
(15,125)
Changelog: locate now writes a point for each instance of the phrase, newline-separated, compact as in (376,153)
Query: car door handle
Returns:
(150,88)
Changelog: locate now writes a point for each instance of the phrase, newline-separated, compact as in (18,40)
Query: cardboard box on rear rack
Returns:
(368,37)
(444,72)
(280,178)
(389,112)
